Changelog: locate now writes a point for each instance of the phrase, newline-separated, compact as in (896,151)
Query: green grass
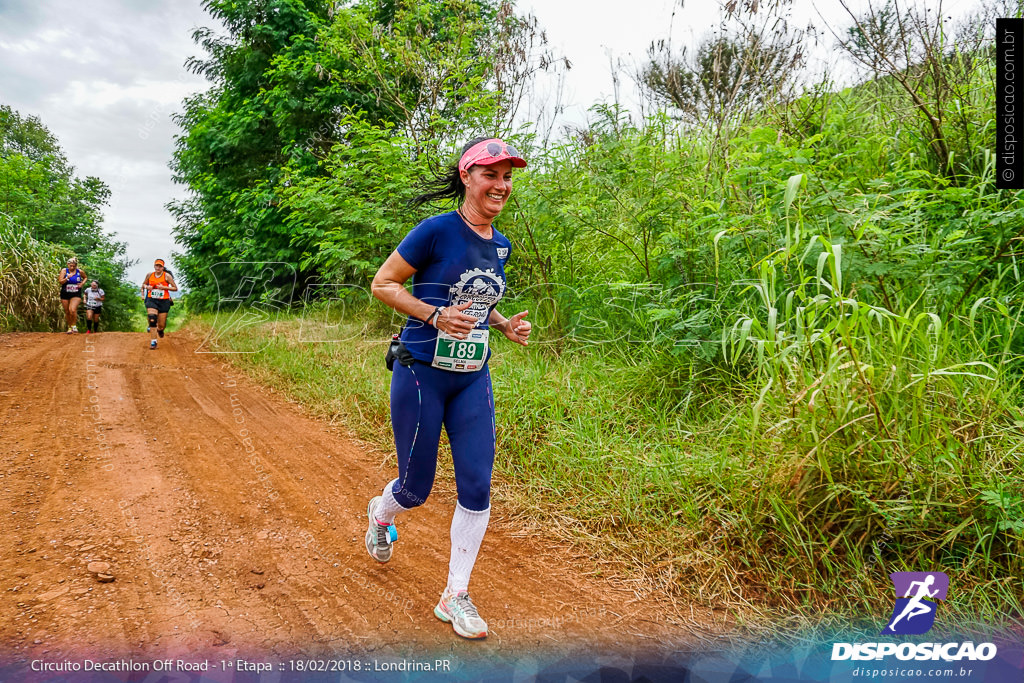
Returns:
(791,502)
(829,390)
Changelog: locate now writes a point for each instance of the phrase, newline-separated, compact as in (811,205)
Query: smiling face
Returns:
(488,187)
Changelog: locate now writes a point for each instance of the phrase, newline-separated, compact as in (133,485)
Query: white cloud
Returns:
(99,94)
(86,55)
(21,47)
(43,40)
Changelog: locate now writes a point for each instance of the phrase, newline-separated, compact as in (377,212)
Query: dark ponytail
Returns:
(447,184)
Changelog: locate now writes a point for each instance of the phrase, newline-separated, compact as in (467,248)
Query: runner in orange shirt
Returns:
(157,288)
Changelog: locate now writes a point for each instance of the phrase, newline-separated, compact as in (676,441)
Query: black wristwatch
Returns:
(434,316)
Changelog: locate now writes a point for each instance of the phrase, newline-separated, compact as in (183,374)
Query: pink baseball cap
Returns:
(490,152)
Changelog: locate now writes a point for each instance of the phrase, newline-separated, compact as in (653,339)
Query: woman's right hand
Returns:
(454,322)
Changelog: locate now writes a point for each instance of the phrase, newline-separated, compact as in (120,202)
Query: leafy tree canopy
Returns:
(297,87)
(40,192)
(38,187)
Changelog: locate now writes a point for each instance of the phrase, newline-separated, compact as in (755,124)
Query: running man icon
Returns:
(914,612)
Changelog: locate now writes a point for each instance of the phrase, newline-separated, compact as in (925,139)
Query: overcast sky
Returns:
(106,75)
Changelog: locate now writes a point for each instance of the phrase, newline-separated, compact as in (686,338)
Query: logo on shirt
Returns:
(503,252)
(483,287)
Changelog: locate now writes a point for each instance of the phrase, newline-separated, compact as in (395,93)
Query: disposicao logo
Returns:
(917,594)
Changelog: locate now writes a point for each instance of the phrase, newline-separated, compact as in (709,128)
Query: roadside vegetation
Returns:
(777,352)
(48,213)
(28,270)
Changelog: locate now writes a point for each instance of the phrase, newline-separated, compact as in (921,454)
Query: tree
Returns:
(914,48)
(434,73)
(874,38)
(239,135)
(40,193)
(725,76)
(753,60)
(295,83)
(38,187)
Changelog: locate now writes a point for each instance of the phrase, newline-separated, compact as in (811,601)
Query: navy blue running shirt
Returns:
(453,265)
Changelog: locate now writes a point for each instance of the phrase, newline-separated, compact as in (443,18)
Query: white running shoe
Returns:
(458,610)
(152,343)
(379,537)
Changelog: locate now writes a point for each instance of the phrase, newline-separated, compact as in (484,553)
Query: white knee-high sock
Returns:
(468,529)
(388,506)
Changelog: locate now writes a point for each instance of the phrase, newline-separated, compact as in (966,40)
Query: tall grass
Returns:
(28,280)
(857,446)
(767,370)
(879,440)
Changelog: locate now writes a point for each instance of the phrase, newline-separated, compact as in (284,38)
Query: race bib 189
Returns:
(461,355)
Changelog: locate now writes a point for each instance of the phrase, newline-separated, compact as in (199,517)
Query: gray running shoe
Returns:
(379,537)
(458,610)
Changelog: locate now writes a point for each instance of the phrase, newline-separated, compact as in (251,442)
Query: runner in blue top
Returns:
(456,261)
(71,280)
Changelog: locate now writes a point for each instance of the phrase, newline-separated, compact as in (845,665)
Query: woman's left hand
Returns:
(517,329)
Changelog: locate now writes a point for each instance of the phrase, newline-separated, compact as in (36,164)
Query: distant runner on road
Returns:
(94,298)
(457,264)
(157,288)
(71,280)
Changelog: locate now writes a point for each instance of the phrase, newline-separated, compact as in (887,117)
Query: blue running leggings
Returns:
(422,399)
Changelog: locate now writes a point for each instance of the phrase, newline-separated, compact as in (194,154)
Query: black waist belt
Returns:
(397,351)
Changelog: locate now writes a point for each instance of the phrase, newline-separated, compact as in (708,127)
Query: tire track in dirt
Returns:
(234,526)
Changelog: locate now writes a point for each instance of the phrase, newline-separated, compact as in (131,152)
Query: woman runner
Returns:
(157,288)
(94,298)
(456,261)
(71,279)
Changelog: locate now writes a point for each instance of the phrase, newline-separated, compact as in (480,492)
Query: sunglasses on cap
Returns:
(491,152)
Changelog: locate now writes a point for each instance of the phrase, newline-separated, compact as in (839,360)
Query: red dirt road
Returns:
(233,525)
